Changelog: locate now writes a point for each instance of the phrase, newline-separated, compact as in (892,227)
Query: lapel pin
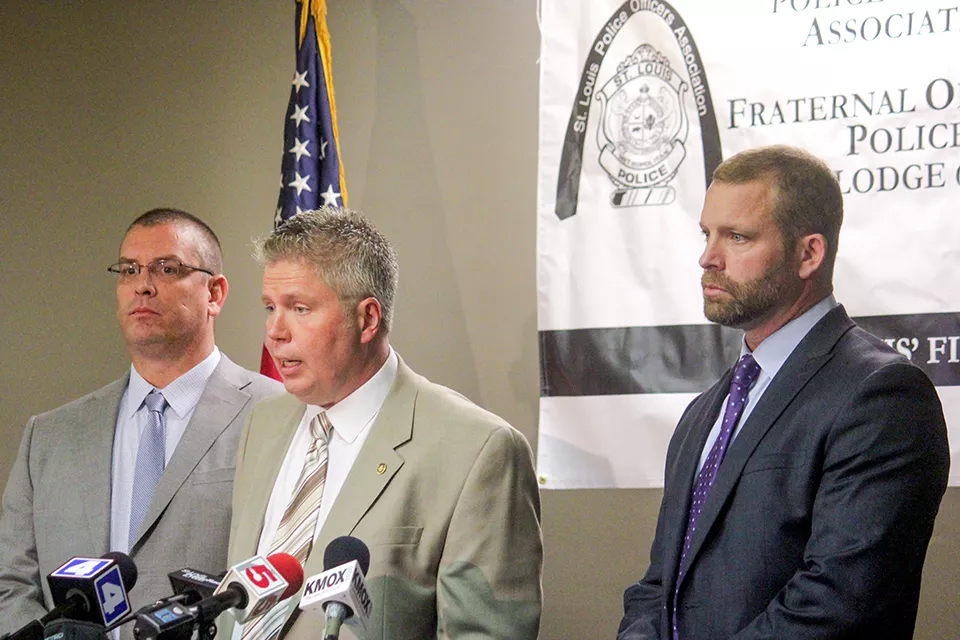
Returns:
(381,469)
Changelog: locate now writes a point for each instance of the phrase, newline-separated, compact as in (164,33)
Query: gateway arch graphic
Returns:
(643,110)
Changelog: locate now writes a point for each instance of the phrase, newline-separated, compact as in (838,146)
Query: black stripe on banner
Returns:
(930,340)
(571,155)
(690,358)
(627,360)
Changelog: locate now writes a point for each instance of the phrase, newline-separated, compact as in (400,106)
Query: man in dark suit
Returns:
(86,481)
(800,491)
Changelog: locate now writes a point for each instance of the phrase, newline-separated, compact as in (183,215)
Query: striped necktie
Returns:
(150,462)
(298,524)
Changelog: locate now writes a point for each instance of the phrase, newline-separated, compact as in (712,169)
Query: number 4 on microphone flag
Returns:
(99,581)
(311,173)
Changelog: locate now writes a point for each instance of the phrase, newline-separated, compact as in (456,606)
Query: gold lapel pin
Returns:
(381,469)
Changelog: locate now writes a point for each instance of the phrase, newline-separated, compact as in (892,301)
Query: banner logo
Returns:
(643,131)
(644,127)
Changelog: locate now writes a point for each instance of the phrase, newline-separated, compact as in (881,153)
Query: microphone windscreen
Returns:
(65,629)
(346,549)
(291,570)
(128,569)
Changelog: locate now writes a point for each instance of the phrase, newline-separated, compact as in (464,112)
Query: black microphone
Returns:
(92,589)
(340,591)
(251,588)
(87,589)
(189,587)
(74,630)
(192,586)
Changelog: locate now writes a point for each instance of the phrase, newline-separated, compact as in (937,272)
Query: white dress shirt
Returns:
(182,396)
(770,355)
(351,418)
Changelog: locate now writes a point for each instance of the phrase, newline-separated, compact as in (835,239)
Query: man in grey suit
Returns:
(144,465)
(443,492)
(800,491)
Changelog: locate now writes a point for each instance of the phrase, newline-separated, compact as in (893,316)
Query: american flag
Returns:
(311,173)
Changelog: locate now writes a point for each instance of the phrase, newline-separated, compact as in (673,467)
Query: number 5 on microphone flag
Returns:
(263,584)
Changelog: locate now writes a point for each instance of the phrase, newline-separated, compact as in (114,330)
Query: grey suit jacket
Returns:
(819,518)
(444,494)
(57,500)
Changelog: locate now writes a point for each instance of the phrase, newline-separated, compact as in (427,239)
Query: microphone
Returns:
(253,587)
(340,591)
(189,587)
(192,586)
(86,589)
(73,630)
(250,589)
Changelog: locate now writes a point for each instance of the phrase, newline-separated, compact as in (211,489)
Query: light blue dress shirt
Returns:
(182,396)
(770,355)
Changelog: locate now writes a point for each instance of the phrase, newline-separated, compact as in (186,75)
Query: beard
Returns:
(749,303)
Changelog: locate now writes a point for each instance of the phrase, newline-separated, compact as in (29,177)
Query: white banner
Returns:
(639,102)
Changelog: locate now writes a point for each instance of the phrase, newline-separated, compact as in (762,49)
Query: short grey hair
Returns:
(346,252)
(208,248)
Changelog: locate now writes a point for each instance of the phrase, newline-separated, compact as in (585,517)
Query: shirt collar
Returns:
(182,395)
(353,413)
(777,347)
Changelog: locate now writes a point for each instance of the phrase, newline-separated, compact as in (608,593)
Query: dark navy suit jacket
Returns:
(819,519)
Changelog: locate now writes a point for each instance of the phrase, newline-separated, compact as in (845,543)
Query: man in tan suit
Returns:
(443,492)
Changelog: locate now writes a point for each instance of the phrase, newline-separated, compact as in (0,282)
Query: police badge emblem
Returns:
(643,129)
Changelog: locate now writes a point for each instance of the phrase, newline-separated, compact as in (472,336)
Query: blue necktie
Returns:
(744,375)
(150,462)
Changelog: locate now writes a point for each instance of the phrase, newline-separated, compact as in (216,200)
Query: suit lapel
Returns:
(221,401)
(684,471)
(269,457)
(392,427)
(813,352)
(95,451)
(365,482)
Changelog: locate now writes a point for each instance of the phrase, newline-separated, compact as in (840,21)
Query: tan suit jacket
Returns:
(57,500)
(444,494)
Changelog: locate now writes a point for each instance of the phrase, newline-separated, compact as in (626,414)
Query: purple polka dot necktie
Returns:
(744,375)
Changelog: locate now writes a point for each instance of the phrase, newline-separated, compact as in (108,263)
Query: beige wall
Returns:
(108,108)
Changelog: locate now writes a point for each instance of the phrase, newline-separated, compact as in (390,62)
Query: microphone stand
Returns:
(148,608)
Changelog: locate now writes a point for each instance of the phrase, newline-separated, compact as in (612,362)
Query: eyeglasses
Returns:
(166,270)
